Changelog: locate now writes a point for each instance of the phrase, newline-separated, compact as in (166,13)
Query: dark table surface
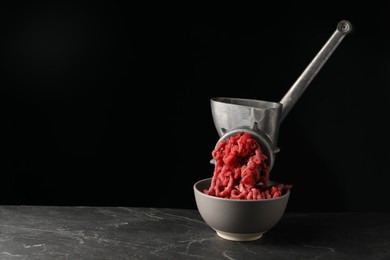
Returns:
(59,232)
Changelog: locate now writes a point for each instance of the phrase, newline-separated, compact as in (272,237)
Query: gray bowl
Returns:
(239,220)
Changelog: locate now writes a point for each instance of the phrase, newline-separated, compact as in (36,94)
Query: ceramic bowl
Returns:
(239,220)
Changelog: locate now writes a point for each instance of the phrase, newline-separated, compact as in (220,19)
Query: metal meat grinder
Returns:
(262,119)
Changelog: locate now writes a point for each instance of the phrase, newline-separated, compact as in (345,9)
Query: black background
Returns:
(108,104)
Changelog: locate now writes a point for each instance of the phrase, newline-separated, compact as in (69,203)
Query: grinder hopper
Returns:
(263,118)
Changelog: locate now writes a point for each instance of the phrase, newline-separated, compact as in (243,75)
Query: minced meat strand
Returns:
(241,171)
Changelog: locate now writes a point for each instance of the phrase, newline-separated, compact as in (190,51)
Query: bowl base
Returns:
(238,236)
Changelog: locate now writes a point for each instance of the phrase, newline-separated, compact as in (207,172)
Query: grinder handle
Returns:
(300,85)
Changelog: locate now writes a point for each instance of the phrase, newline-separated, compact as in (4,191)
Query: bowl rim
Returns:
(287,194)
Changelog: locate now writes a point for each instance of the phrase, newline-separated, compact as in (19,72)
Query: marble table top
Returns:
(64,232)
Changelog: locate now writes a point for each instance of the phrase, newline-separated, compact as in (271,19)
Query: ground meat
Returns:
(241,171)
